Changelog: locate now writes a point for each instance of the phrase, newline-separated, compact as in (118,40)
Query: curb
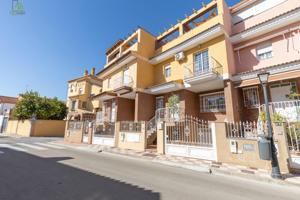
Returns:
(207,170)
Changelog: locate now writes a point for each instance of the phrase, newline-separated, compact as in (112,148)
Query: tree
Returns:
(31,105)
(173,101)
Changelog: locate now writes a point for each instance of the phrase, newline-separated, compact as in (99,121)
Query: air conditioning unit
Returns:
(179,56)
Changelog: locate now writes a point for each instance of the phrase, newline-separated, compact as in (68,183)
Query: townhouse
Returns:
(80,97)
(199,77)
(209,61)
(188,60)
(266,36)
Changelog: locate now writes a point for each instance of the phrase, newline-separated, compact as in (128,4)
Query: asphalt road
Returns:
(36,169)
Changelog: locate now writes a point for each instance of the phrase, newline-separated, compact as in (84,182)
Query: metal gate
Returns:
(293,139)
(85,132)
(190,137)
(104,133)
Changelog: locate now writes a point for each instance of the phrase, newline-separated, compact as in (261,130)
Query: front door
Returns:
(160,103)
(113,111)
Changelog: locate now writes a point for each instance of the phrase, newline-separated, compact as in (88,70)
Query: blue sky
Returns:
(57,39)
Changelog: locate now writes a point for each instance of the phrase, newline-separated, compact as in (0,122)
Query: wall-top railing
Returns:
(244,130)
(130,126)
(194,69)
(75,125)
(289,110)
(104,129)
(123,81)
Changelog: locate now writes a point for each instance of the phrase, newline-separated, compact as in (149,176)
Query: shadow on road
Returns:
(24,176)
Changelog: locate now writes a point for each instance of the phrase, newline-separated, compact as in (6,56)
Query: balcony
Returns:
(209,75)
(123,85)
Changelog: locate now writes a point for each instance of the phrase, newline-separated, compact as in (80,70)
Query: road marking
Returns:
(12,147)
(31,146)
(58,144)
(49,145)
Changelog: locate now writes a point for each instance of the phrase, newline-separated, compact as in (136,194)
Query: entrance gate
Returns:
(104,133)
(293,139)
(190,137)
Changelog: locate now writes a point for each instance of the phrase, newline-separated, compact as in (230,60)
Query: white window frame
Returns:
(169,69)
(246,92)
(73,105)
(264,51)
(80,90)
(200,66)
(204,109)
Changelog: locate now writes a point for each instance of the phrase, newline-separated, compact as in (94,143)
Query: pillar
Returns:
(231,101)
(144,106)
(160,139)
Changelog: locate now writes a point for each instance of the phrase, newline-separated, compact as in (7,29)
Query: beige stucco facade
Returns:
(80,100)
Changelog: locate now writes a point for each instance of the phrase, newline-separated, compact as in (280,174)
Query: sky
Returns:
(56,40)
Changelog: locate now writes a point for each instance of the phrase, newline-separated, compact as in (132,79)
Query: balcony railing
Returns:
(196,69)
(123,81)
(289,110)
(130,126)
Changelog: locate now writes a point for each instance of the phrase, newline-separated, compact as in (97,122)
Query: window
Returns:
(251,99)
(73,105)
(168,70)
(84,104)
(71,88)
(264,51)
(80,90)
(201,62)
(212,102)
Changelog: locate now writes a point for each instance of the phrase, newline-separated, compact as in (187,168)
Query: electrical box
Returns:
(264,147)
(233,146)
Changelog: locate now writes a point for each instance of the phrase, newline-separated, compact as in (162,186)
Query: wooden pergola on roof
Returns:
(114,46)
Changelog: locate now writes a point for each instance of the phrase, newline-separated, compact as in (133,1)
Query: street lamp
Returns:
(263,78)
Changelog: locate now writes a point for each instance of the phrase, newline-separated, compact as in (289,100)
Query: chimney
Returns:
(93,71)
(86,73)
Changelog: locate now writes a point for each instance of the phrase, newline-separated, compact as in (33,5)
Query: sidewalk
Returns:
(205,166)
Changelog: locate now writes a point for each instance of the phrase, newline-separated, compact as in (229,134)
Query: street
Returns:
(38,169)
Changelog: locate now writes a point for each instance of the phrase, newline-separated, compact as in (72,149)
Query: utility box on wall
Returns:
(233,146)
(264,147)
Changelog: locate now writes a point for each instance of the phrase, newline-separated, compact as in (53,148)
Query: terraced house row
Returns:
(204,68)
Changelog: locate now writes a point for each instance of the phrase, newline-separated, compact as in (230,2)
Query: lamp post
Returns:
(263,78)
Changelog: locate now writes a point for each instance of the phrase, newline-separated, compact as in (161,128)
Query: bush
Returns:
(31,105)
